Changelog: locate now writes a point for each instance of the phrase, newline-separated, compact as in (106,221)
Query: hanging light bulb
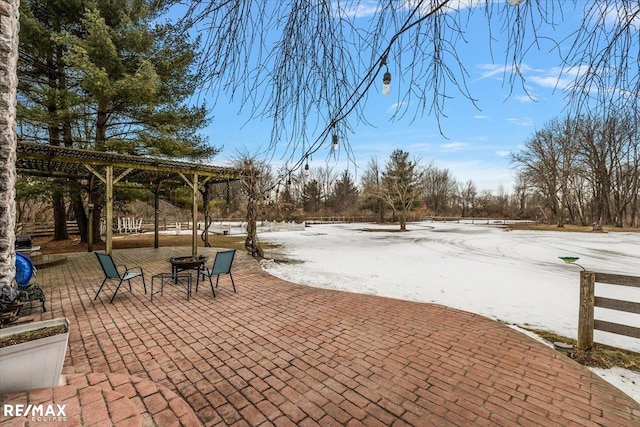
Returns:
(334,142)
(306,169)
(386,83)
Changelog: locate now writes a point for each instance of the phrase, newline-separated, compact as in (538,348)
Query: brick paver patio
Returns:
(281,354)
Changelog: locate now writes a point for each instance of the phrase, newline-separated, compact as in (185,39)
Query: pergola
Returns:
(62,162)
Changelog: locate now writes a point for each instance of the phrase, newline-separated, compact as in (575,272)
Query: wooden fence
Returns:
(588,301)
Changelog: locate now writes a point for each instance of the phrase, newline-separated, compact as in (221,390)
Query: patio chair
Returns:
(111,272)
(221,265)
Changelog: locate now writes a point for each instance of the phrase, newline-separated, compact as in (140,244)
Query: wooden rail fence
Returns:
(588,301)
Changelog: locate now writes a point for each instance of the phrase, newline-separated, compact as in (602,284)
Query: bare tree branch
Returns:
(310,66)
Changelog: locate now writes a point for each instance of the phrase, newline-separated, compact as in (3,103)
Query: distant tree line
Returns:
(399,190)
(583,170)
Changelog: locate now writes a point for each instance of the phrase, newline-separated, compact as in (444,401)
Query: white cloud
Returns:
(456,5)
(484,174)
(454,146)
(503,153)
(618,14)
(363,9)
(491,70)
(369,8)
(521,121)
(548,78)
(395,107)
(551,82)
(480,117)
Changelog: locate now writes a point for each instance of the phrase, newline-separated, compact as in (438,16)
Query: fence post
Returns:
(585,316)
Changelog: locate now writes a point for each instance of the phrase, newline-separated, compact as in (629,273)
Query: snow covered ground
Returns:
(512,276)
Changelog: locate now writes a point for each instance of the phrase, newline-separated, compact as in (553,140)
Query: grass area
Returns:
(568,227)
(130,241)
(600,356)
(395,229)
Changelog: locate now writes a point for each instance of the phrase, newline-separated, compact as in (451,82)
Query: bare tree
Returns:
(325,177)
(548,160)
(316,62)
(602,57)
(439,189)
(371,188)
(257,178)
(468,193)
(609,150)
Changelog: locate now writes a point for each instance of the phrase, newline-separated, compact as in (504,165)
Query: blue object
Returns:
(24,270)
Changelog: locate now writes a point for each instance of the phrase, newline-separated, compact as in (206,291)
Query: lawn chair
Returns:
(221,265)
(111,273)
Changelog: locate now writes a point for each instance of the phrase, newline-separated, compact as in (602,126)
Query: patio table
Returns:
(183,263)
(172,277)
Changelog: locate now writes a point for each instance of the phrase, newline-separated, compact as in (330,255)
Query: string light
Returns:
(386,83)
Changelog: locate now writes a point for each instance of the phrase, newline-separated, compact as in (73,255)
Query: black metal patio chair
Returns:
(221,266)
(111,272)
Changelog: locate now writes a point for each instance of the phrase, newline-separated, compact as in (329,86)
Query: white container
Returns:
(33,364)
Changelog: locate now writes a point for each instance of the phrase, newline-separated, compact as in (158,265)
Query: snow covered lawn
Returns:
(512,276)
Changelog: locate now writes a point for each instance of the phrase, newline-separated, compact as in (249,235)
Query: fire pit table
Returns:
(183,263)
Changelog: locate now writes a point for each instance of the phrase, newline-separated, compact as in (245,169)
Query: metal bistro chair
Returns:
(221,265)
(111,273)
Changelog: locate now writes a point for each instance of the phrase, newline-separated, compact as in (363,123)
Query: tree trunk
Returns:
(59,215)
(251,243)
(78,211)
(207,215)
(96,197)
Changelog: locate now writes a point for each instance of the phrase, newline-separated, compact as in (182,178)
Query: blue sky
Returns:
(475,144)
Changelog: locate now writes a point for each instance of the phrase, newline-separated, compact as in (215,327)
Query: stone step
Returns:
(156,404)
(69,405)
(100,399)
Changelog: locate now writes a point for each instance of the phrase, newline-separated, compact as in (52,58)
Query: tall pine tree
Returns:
(401,185)
(108,76)
(345,194)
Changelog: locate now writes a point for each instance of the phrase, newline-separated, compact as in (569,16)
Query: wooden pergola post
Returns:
(109,181)
(109,210)
(194,210)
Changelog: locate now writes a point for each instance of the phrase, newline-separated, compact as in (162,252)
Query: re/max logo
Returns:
(19,410)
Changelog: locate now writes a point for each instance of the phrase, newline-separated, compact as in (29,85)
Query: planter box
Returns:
(33,364)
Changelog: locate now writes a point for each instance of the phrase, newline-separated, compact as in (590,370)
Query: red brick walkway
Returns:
(281,354)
